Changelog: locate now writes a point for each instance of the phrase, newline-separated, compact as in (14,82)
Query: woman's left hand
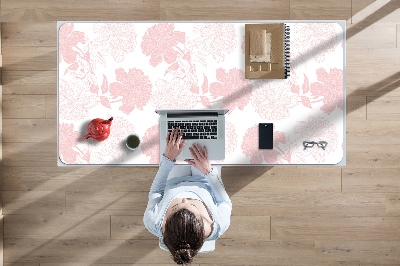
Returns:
(174,145)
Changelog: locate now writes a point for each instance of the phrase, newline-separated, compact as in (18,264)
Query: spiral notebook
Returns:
(267,51)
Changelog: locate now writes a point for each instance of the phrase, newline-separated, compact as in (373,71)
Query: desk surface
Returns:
(127,70)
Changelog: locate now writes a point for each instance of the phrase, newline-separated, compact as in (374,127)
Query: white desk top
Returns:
(127,70)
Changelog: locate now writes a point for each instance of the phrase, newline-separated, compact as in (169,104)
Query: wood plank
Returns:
(372,72)
(249,227)
(29,34)
(53,226)
(362,155)
(21,264)
(223,10)
(113,264)
(15,130)
(370,12)
(393,204)
(24,11)
(24,106)
(373,132)
(383,108)
(29,82)
(87,250)
(397,35)
(358,6)
(51,106)
(46,60)
(1,238)
(129,227)
(381,180)
(286,180)
(309,204)
(107,203)
(364,252)
(33,202)
(230,252)
(30,154)
(335,228)
(356,108)
(324,9)
(384,36)
(78,178)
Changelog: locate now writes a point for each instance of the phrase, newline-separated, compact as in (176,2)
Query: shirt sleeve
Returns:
(222,199)
(156,194)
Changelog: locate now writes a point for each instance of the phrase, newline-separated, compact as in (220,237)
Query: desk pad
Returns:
(128,70)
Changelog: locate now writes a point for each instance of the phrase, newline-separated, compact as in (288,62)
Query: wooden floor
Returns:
(281,215)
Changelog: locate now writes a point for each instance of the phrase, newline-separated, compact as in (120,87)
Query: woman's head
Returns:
(184,235)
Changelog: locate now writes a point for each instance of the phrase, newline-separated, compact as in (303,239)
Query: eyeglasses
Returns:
(310,144)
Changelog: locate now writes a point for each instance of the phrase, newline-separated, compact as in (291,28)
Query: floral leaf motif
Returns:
(295,88)
(105,102)
(135,88)
(104,86)
(232,85)
(306,101)
(205,102)
(68,38)
(279,137)
(172,68)
(72,67)
(205,84)
(306,85)
(330,86)
(94,88)
(194,89)
(159,48)
(288,157)
(68,139)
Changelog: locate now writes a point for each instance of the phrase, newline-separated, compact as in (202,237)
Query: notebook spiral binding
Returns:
(287,51)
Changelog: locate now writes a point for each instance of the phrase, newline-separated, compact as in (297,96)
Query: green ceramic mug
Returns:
(132,142)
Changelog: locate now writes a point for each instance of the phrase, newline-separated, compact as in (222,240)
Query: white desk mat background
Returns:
(300,107)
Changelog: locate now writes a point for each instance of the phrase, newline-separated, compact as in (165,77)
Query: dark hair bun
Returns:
(183,255)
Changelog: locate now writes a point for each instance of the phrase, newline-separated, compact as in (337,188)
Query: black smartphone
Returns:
(266,136)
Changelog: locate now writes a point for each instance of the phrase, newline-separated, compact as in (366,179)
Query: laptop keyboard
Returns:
(196,129)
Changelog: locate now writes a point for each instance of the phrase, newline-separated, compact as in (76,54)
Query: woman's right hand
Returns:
(200,159)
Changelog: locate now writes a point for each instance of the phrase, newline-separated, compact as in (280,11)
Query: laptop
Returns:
(204,127)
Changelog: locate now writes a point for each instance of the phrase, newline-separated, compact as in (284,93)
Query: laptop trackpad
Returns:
(214,150)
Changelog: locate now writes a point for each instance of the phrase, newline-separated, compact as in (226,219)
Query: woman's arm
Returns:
(156,194)
(222,199)
(172,149)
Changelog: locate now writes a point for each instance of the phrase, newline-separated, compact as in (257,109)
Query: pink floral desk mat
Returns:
(128,70)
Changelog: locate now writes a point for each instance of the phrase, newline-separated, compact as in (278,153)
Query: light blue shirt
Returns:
(209,188)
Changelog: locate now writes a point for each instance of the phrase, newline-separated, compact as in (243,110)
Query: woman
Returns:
(187,210)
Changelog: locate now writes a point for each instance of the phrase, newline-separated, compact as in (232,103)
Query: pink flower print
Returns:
(235,89)
(250,148)
(330,86)
(68,139)
(243,46)
(135,88)
(274,100)
(158,42)
(230,137)
(151,144)
(173,95)
(68,40)
(216,39)
(317,129)
(115,39)
(313,39)
(75,99)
